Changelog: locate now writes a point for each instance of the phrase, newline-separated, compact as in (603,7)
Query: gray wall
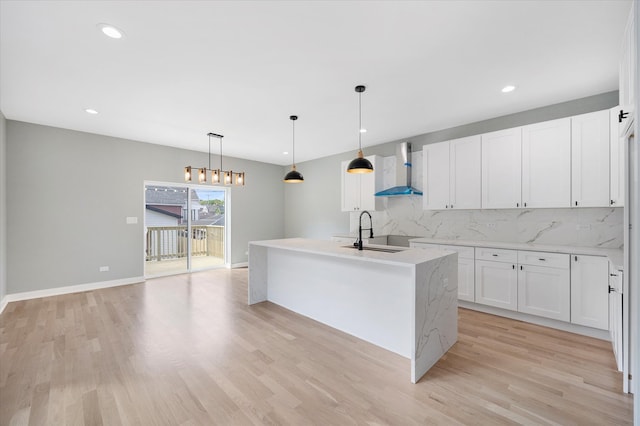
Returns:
(3,207)
(69,192)
(312,209)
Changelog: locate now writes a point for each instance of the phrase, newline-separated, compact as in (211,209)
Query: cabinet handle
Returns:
(542,259)
(622,115)
(517,204)
(611,289)
(612,202)
(494,255)
(525,204)
(613,275)
(521,267)
(451,205)
(513,266)
(576,203)
(576,258)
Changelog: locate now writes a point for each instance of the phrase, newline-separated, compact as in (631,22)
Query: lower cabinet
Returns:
(590,291)
(560,286)
(497,284)
(544,290)
(615,314)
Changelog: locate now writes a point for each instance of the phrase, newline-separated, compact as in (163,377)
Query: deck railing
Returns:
(170,242)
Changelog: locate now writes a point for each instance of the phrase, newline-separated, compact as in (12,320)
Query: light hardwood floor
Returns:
(187,350)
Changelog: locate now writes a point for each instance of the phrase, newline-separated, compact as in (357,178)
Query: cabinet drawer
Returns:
(539,258)
(497,255)
(463,251)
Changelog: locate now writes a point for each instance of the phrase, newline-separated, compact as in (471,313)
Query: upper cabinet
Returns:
(616,161)
(501,169)
(590,160)
(546,164)
(451,174)
(627,72)
(358,189)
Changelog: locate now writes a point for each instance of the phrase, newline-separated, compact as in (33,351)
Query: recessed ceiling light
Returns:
(110,31)
(91,111)
(507,89)
(285,152)
(363,130)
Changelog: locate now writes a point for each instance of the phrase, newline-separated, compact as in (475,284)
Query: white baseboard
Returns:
(546,322)
(66,290)
(239,265)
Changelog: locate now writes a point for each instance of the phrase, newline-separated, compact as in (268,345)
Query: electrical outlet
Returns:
(491,225)
(104,269)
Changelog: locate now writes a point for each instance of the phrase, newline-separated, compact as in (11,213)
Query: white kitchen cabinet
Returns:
(466,267)
(496,281)
(544,284)
(501,169)
(617,163)
(590,160)
(358,189)
(615,314)
(589,291)
(546,164)
(452,175)
(435,175)
(628,72)
(464,173)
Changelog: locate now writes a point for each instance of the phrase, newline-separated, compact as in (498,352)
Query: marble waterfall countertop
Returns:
(405,301)
(614,255)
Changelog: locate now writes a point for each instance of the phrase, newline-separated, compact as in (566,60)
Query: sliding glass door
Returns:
(184,228)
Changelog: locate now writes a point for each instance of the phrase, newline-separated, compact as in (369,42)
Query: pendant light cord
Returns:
(293,147)
(360,121)
(209,152)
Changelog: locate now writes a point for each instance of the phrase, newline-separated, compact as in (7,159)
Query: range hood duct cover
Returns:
(403,174)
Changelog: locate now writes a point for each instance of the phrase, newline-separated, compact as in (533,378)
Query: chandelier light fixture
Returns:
(293,176)
(360,164)
(218,176)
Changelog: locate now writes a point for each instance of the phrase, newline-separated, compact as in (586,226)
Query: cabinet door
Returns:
(590,159)
(350,189)
(370,183)
(464,173)
(544,291)
(615,315)
(546,164)
(590,291)
(435,158)
(501,166)
(466,279)
(628,72)
(616,159)
(497,284)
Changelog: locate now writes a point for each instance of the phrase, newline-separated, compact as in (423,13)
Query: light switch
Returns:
(132,220)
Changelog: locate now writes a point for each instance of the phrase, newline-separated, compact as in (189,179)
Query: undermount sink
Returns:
(382,249)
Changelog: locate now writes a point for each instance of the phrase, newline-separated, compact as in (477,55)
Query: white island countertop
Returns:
(404,301)
(404,256)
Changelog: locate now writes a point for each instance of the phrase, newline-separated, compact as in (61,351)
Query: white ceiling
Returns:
(240,68)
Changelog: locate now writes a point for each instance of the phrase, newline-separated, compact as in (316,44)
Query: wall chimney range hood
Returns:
(403,174)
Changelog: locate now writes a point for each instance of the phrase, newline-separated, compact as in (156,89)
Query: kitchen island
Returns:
(404,300)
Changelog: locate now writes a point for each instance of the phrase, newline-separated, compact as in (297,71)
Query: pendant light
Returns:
(293,176)
(360,164)
(218,176)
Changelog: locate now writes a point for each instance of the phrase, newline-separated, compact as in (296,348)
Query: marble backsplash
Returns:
(582,227)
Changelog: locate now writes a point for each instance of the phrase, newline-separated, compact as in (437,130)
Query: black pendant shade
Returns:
(360,164)
(293,176)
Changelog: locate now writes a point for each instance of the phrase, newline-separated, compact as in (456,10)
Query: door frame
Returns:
(227,222)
